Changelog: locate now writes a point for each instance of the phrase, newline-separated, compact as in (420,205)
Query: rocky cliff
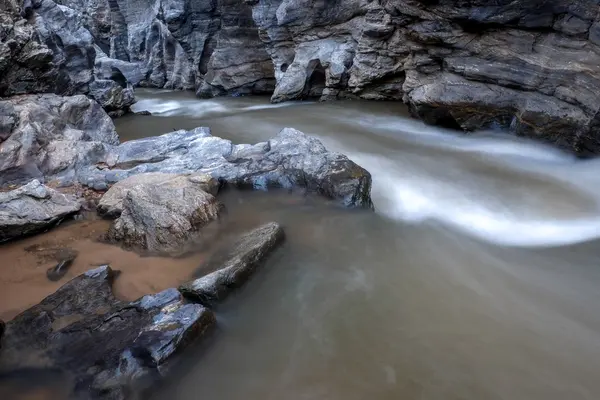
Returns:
(45,48)
(532,66)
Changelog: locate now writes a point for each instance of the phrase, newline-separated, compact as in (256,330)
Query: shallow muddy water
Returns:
(476,278)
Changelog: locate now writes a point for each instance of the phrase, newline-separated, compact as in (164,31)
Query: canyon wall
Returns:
(530,66)
(46,48)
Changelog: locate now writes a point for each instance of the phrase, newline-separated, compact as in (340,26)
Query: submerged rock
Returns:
(289,160)
(104,345)
(45,135)
(231,266)
(160,212)
(57,272)
(32,208)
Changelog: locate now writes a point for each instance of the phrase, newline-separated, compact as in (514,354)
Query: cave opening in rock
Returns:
(315,80)
(284,67)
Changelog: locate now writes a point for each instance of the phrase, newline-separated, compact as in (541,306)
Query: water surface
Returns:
(476,278)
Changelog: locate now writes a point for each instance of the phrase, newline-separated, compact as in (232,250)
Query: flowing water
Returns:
(478,276)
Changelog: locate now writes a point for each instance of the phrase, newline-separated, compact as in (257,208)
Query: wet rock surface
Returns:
(104,346)
(233,264)
(289,160)
(32,208)
(45,135)
(160,215)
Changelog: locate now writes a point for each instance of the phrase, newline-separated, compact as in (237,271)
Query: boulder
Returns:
(111,203)
(160,214)
(289,160)
(32,208)
(105,346)
(114,98)
(232,265)
(46,135)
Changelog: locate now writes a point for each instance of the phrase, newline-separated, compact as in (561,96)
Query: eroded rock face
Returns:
(531,66)
(45,48)
(25,63)
(232,265)
(159,215)
(105,346)
(211,46)
(32,208)
(45,135)
(289,160)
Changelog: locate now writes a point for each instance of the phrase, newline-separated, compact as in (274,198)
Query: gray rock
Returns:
(289,160)
(25,62)
(160,215)
(212,47)
(32,208)
(531,67)
(47,135)
(114,98)
(53,52)
(61,29)
(518,65)
(106,68)
(233,265)
(106,346)
(111,203)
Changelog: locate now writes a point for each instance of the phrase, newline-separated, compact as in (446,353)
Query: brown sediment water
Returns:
(23,281)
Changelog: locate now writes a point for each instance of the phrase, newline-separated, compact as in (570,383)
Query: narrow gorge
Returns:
(299,199)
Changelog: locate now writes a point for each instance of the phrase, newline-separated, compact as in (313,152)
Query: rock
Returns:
(105,345)
(107,67)
(32,208)
(57,272)
(48,135)
(25,62)
(233,265)
(111,203)
(212,47)
(52,52)
(114,98)
(531,67)
(61,29)
(159,214)
(289,160)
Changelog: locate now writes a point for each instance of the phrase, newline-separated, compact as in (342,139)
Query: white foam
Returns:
(170,108)
(417,198)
